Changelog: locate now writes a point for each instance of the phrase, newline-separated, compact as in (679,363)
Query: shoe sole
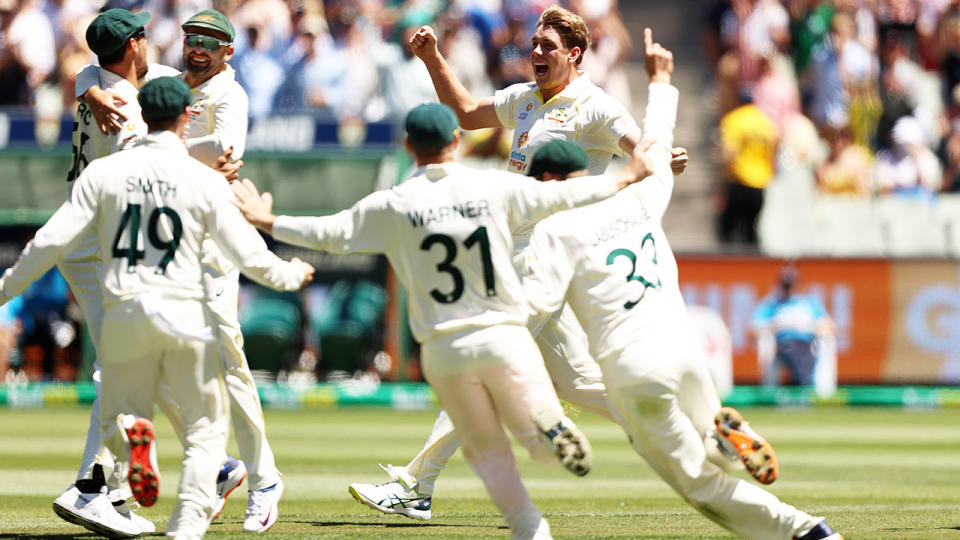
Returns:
(756,454)
(227,494)
(569,444)
(144,480)
(408,512)
(93,526)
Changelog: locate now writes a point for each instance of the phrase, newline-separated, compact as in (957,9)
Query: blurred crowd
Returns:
(865,93)
(348,56)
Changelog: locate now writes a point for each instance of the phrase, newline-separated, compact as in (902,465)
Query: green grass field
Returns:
(874,473)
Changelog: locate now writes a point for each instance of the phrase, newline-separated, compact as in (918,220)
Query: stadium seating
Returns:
(271,331)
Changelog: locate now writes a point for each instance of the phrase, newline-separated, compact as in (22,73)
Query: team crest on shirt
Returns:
(196,109)
(523,139)
(558,115)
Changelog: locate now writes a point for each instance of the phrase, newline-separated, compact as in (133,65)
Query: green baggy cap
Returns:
(212,19)
(558,157)
(164,97)
(431,125)
(112,28)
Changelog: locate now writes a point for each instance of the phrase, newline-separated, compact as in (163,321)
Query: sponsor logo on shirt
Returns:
(523,139)
(558,115)
(518,161)
(529,107)
(196,109)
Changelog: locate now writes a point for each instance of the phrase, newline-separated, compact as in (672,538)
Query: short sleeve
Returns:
(505,103)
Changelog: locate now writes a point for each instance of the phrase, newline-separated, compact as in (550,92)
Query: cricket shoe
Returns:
(821,532)
(397,497)
(262,508)
(86,504)
(755,452)
(144,475)
(231,476)
(123,508)
(566,440)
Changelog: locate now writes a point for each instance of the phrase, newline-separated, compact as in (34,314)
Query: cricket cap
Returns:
(112,28)
(212,20)
(164,97)
(558,157)
(431,125)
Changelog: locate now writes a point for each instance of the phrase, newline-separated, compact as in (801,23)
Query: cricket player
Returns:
(612,264)
(118,39)
(151,208)
(576,376)
(449,243)
(215,135)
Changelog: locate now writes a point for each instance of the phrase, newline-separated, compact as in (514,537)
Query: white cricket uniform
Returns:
(218,121)
(581,113)
(81,268)
(585,115)
(446,232)
(612,264)
(151,208)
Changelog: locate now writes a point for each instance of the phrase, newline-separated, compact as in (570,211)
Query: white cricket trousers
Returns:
(246,412)
(82,272)
(137,358)
(486,379)
(663,398)
(576,378)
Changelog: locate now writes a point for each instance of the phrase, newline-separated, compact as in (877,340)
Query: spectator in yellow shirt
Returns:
(748,144)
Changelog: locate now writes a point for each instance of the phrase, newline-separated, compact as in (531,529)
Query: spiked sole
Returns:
(144,480)
(757,454)
(569,444)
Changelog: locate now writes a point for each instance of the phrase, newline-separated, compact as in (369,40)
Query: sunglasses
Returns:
(139,34)
(209,43)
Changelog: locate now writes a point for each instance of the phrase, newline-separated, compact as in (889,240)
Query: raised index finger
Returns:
(647,39)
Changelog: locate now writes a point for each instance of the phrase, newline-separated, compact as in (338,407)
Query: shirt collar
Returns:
(165,140)
(572,90)
(110,79)
(436,171)
(228,74)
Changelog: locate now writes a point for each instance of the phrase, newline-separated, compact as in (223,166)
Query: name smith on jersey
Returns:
(147,185)
(439,214)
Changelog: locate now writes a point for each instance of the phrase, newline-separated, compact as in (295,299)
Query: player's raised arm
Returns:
(471,113)
(50,244)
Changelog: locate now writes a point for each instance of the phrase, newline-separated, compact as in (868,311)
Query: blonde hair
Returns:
(571,27)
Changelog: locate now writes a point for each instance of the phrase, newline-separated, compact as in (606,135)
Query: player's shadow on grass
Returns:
(400,525)
(83,536)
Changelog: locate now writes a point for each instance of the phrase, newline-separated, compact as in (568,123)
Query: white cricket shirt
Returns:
(218,110)
(611,261)
(582,113)
(150,207)
(89,143)
(218,118)
(446,231)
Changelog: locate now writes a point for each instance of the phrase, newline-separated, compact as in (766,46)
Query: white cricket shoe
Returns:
(262,508)
(95,512)
(231,476)
(397,497)
(569,444)
(123,508)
